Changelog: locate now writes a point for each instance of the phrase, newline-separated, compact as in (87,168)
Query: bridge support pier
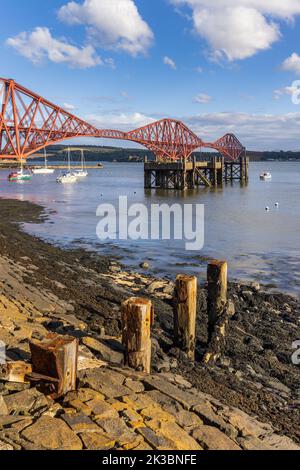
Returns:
(190,175)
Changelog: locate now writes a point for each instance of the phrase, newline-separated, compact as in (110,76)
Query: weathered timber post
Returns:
(216,292)
(137,319)
(147,179)
(218,308)
(54,364)
(242,169)
(185,309)
(220,174)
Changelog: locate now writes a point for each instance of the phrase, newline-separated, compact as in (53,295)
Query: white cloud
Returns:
(68,107)
(255,131)
(292,64)
(112,24)
(288,90)
(170,62)
(119,121)
(237,29)
(202,98)
(39,45)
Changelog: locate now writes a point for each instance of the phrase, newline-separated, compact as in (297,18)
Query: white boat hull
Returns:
(81,174)
(67,179)
(43,171)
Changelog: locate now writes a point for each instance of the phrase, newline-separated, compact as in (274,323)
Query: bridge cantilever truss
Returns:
(29,123)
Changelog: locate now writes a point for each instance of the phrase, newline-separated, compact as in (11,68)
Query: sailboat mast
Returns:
(69,159)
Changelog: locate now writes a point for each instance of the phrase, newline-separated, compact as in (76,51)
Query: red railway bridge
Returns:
(29,123)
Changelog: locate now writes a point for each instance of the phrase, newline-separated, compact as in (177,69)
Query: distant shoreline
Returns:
(95,164)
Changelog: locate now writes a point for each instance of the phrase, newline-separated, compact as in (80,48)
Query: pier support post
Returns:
(216,292)
(219,310)
(147,180)
(137,319)
(185,309)
(214,172)
(54,364)
(220,172)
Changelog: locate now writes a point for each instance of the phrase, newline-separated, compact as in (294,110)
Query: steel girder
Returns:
(29,123)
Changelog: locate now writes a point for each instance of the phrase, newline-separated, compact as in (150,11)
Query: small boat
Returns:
(43,170)
(20,175)
(265,176)
(68,176)
(81,173)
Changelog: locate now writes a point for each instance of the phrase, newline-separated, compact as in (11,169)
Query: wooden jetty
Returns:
(183,175)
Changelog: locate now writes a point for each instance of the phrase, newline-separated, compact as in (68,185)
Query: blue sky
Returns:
(220,66)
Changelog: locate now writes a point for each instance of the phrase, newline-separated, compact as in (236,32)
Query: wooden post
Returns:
(54,364)
(185,309)
(216,292)
(219,309)
(137,318)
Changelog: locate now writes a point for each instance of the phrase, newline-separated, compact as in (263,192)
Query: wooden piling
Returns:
(216,291)
(137,319)
(54,364)
(219,310)
(185,309)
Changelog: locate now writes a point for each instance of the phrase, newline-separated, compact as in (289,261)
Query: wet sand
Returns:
(256,374)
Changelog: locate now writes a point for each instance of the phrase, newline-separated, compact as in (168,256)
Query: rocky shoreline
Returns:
(44,288)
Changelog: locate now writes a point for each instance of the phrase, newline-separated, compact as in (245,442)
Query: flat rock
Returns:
(179,438)
(155,412)
(252,443)
(167,403)
(53,434)
(79,423)
(276,442)
(116,429)
(187,399)
(105,381)
(26,402)
(96,441)
(188,420)
(156,441)
(134,385)
(206,412)
(245,424)
(110,350)
(5,446)
(102,409)
(139,401)
(213,439)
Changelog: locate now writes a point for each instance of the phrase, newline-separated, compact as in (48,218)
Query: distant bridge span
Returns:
(29,123)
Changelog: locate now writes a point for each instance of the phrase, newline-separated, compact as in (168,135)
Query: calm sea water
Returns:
(258,245)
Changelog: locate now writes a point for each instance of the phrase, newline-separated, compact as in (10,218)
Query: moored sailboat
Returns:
(20,175)
(81,173)
(43,170)
(68,176)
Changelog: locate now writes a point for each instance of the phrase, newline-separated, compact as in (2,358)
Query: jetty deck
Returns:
(189,175)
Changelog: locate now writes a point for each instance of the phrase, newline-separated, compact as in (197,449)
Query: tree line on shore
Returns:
(110,154)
